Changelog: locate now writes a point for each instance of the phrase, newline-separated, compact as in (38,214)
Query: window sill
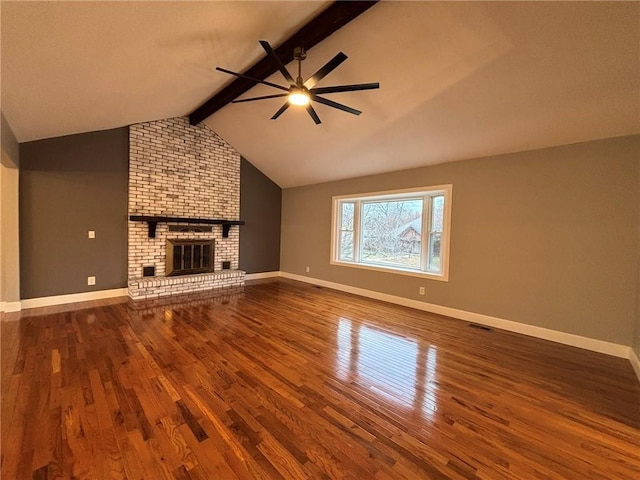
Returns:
(442,277)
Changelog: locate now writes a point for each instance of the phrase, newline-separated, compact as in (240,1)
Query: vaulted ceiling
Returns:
(458,80)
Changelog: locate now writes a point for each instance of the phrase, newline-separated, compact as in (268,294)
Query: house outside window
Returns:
(404,231)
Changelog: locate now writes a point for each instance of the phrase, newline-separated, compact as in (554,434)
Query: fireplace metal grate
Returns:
(185,257)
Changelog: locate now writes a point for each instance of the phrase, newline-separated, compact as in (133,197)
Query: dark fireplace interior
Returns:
(186,257)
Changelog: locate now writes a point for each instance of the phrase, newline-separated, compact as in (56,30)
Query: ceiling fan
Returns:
(301,92)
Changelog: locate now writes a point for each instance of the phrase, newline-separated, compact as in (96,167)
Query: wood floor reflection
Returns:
(281,379)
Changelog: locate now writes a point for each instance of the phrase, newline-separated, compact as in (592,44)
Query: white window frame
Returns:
(393,195)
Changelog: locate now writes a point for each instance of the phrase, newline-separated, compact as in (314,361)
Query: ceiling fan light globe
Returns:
(299,98)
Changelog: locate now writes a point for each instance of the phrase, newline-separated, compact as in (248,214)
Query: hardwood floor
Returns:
(284,380)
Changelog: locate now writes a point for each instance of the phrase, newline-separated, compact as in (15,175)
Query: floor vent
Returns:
(481,327)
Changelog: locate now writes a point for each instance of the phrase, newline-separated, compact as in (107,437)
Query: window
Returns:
(405,231)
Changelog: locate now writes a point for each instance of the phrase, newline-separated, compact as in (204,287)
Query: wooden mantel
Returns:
(153,221)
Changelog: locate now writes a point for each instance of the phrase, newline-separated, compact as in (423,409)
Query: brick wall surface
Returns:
(180,170)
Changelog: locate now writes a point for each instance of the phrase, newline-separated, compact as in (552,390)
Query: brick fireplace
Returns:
(180,170)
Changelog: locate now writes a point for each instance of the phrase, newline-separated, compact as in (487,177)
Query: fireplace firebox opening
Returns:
(185,257)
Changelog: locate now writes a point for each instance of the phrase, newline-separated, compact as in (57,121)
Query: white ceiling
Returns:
(458,80)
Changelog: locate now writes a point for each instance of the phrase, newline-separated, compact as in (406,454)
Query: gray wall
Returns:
(547,237)
(9,227)
(68,186)
(260,207)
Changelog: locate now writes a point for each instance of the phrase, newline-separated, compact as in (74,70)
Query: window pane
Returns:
(347,216)
(177,257)
(206,256)
(187,256)
(391,233)
(434,251)
(346,245)
(197,250)
(345,248)
(437,214)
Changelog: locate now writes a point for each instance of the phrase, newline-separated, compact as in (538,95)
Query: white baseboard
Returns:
(257,276)
(72,298)
(587,343)
(635,362)
(7,307)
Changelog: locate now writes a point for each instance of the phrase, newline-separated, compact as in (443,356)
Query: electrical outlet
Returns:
(91,280)
(92,234)
(307,269)
(421,291)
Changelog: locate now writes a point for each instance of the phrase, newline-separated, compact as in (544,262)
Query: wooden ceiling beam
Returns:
(334,17)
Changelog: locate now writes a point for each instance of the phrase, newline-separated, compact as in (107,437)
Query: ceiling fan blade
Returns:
(275,58)
(313,114)
(325,70)
(260,98)
(251,78)
(281,111)
(346,88)
(333,104)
